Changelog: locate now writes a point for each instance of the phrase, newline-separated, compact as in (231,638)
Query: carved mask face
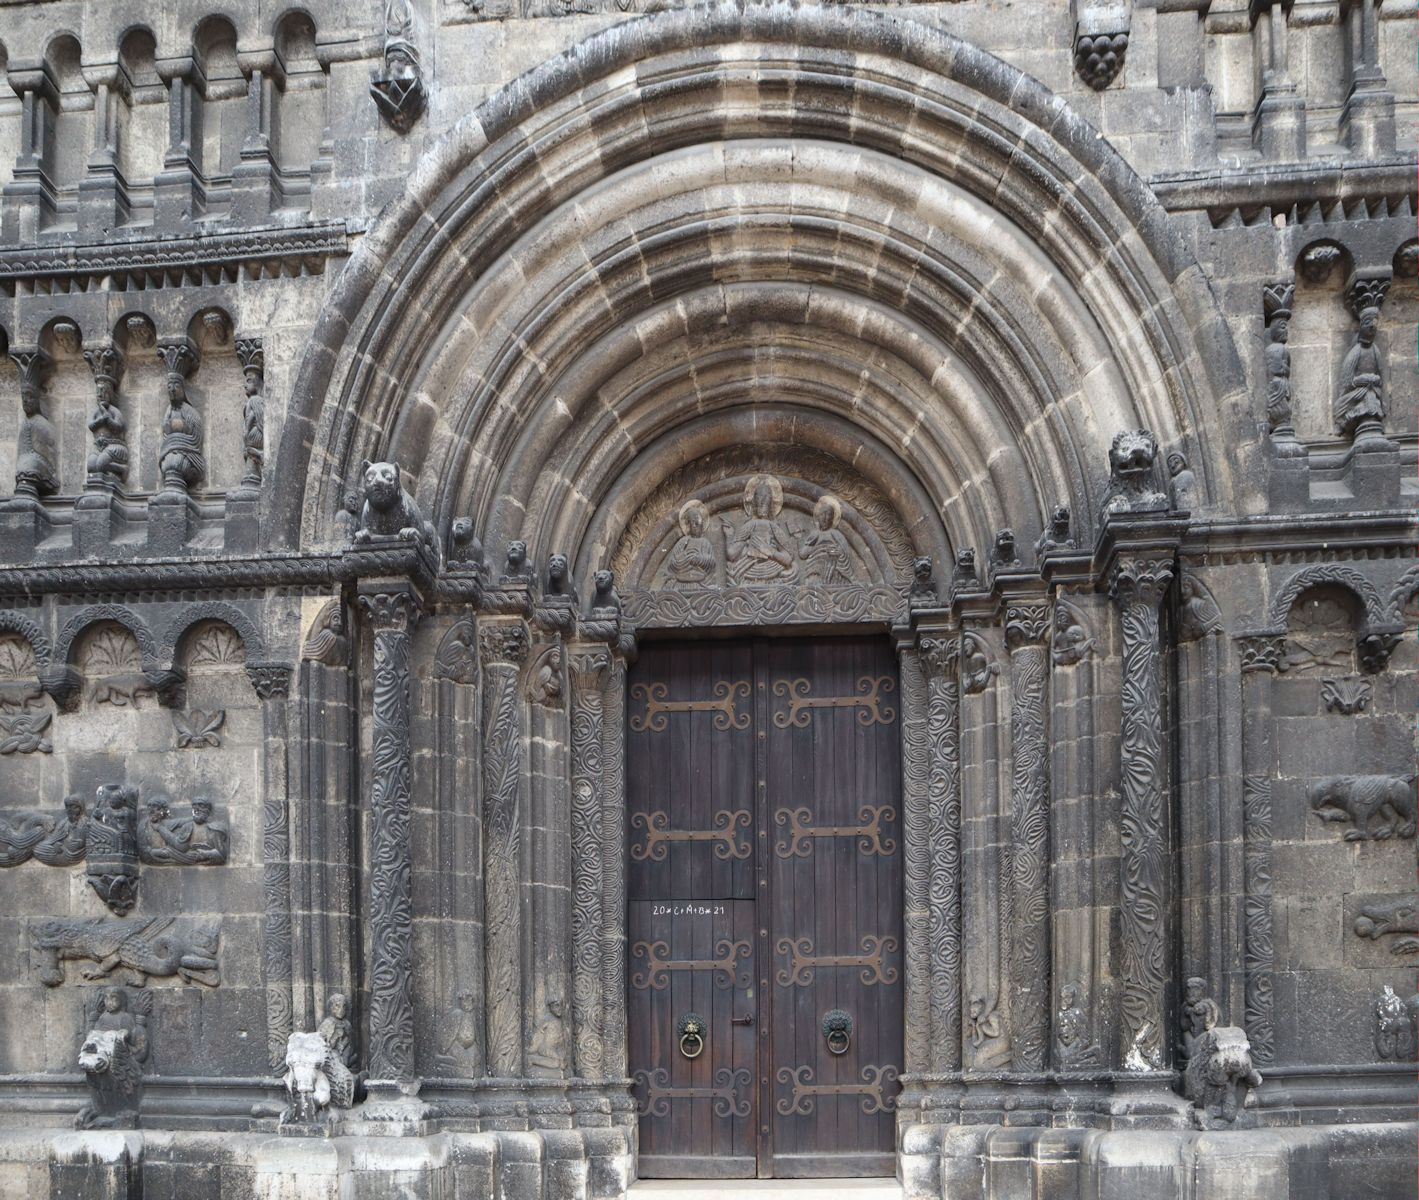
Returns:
(1281,329)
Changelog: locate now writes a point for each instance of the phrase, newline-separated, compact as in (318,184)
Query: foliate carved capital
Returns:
(269,679)
(1143,580)
(1366,290)
(1263,652)
(590,666)
(503,642)
(1026,625)
(941,655)
(179,356)
(395,611)
(250,354)
(106,362)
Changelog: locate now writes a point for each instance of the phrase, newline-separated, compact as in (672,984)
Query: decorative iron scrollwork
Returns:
(727,716)
(658,965)
(872,1089)
(658,835)
(730,1092)
(837,1031)
(802,962)
(868,701)
(801,831)
(690,1035)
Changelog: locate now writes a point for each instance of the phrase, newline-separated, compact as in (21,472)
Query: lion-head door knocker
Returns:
(837,1029)
(690,1030)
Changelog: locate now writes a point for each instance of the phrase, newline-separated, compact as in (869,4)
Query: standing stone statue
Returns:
(36,447)
(253,417)
(1199,1014)
(336,1029)
(1359,408)
(180,457)
(1276,305)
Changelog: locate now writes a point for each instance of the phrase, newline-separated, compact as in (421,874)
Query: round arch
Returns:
(831,221)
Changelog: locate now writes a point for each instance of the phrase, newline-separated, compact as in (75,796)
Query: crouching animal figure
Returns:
(316,1080)
(1364,799)
(1218,1077)
(115,1075)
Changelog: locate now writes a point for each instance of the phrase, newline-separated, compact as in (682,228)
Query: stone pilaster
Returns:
(1138,585)
(392,610)
(942,658)
(503,646)
(1262,655)
(1027,635)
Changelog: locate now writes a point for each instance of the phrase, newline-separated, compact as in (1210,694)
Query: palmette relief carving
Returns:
(198,729)
(112,662)
(1378,806)
(1346,696)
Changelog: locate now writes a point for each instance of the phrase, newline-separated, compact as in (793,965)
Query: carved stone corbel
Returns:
(1138,585)
(1101,29)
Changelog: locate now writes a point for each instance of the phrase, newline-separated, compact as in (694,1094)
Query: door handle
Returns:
(745,1020)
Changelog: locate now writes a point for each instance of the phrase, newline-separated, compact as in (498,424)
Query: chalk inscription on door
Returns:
(765,907)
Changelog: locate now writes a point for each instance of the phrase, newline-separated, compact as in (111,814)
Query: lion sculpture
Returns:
(1218,1076)
(1133,475)
(115,1075)
(390,513)
(1364,799)
(316,1080)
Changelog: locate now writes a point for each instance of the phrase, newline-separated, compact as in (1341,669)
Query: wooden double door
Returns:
(765,907)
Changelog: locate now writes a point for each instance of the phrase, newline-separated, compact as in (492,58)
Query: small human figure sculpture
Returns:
(1359,402)
(114,1014)
(1199,1014)
(336,1029)
(1072,1030)
(758,551)
(1277,359)
(547,1054)
(36,448)
(1394,1027)
(347,519)
(1184,482)
(253,417)
(827,561)
(180,455)
(692,559)
(465,1032)
(65,843)
(515,568)
(108,464)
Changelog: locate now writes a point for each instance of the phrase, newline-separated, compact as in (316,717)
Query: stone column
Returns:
(613,849)
(503,645)
(392,609)
(1026,635)
(1138,585)
(590,667)
(273,685)
(1279,125)
(1367,120)
(102,196)
(1261,659)
(254,177)
(916,917)
(25,200)
(942,657)
(177,193)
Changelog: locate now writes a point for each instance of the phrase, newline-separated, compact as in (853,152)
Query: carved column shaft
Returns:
(1138,586)
(276,945)
(589,668)
(392,615)
(1261,658)
(613,910)
(916,917)
(503,645)
(1026,634)
(942,656)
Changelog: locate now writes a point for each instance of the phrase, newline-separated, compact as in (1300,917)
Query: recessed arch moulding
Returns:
(841,242)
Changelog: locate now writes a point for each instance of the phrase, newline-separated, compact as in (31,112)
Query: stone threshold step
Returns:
(765,1189)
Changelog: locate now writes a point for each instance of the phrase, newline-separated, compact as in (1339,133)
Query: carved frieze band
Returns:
(391,1007)
(1026,633)
(1137,586)
(942,658)
(764,606)
(503,646)
(916,917)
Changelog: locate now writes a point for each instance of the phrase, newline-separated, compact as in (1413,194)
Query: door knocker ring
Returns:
(837,1029)
(690,1030)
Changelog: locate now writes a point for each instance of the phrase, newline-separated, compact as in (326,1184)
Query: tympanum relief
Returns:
(745,538)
